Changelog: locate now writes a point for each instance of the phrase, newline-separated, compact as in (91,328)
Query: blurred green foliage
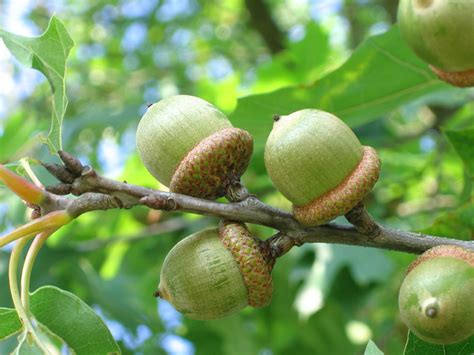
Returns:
(328,299)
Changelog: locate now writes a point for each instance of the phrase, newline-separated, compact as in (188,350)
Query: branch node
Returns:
(88,172)
(118,201)
(280,244)
(360,218)
(237,192)
(160,202)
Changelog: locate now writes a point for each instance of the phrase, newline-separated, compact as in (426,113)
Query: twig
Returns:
(97,192)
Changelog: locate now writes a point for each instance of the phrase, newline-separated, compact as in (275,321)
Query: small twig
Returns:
(360,218)
(107,194)
(280,244)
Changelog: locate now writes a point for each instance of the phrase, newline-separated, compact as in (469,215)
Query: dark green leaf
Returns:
(48,54)
(66,316)
(381,75)
(10,323)
(457,223)
(416,346)
(463,142)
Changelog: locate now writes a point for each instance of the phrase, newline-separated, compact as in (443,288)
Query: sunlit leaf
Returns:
(66,316)
(10,323)
(381,75)
(372,349)
(48,54)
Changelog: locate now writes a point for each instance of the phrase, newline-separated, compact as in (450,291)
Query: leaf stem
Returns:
(13,281)
(35,247)
(26,165)
(50,221)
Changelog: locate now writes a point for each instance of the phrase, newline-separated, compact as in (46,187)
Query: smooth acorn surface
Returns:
(436,298)
(316,161)
(440,32)
(190,146)
(216,272)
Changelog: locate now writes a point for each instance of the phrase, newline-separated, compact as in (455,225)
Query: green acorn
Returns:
(317,162)
(436,298)
(190,146)
(441,32)
(217,272)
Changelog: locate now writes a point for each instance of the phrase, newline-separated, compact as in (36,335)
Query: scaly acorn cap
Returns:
(316,161)
(441,33)
(190,146)
(436,297)
(217,272)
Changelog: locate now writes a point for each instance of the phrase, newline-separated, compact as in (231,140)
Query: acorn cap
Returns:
(446,251)
(345,196)
(316,161)
(462,79)
(213,164)
(178,128)
(441,33)
(215,273)
(436,298)
(255,262)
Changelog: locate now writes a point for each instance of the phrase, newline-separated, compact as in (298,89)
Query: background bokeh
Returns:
(328,298)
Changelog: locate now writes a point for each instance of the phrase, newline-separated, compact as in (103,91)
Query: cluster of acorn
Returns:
(190,146)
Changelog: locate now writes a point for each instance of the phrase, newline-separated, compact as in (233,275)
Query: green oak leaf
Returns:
(10,323)
(463,143)
(73,321)
(381,75)
(416,346)
(372,349)
(48,54)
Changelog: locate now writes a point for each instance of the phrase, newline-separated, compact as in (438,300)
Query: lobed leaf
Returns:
(381,75)
(48,54)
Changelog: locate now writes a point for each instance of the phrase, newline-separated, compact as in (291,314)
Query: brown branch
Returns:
(96,192)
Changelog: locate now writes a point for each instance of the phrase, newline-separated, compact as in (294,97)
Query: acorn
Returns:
(190,146)
(317,162)
(436,297)
(216,272)
(441,33)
